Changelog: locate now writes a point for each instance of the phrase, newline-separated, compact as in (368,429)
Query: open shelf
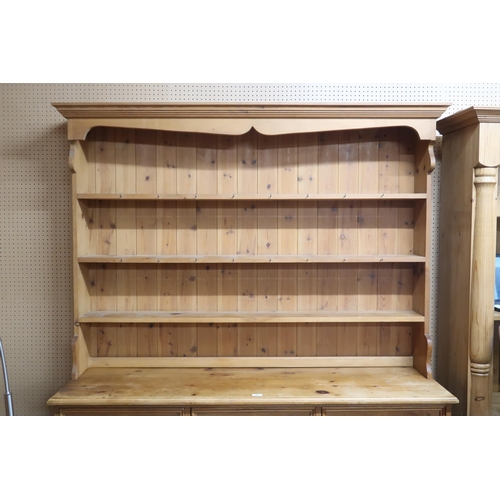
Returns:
(256,259)
(251,317)
(253,196)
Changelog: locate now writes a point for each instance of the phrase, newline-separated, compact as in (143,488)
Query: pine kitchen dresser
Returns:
(251,259)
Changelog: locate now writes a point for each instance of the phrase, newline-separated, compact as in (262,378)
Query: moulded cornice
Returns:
(238,118)
(470,116)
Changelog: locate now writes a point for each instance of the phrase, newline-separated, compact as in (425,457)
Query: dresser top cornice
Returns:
(239,118)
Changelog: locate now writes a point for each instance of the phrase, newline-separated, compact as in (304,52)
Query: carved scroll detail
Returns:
(432,157)
(72,154)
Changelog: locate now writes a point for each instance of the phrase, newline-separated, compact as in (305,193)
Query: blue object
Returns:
(497,279)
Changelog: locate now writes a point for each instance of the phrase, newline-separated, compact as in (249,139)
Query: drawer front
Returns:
(214,411)
(113,411)
(382,411)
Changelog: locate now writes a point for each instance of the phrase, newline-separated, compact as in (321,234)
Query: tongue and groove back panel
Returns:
(220,224)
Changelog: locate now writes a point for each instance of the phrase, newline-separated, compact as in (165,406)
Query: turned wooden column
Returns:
(482,285)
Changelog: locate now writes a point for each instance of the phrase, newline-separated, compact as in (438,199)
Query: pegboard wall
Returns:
(35,224)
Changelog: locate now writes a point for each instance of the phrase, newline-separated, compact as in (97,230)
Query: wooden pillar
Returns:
(483,282)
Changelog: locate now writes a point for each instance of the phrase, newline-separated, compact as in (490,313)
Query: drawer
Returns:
(382,411)
(112,411)
(213,411)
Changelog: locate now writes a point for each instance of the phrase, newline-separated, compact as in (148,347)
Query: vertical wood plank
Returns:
(407,141)
(206,278)
(227,340)
(388,215)
(126,228)
(247,340)
(347,301)
(406,227)
(328,162)
(187,340)
(85,222)
(186,228)
(328,235)
(227,287)
(307,227)
(348,162)
(247,162)
(367,228)
(106,287)
(106,228)
(368,156)
(227,228)
(89,333)
(327,338)
(147,287)
(267,160)
(105,158)
(206,228)
(148,340)
(267,227)
(167,288)
(86,173)
(367,301)
(186,163)
(207,340)
(347,227)
(227,164)
(186,287)
(145,158)
(106,300)
(308,164)
(146,227)
(288,164)
(247,227)
(125,161)
(126,340)
(287,228)
(206,164)
(247,287)
(166,162)
(287,301)
(168,340)
(388,161)
(307,300)
(166,233)
(106,341)
(267,301)
(126,300)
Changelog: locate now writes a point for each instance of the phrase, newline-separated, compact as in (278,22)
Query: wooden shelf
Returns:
(251,317)
(251,259)
(243,196)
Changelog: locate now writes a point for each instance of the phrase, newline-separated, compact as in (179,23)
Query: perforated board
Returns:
(35,223)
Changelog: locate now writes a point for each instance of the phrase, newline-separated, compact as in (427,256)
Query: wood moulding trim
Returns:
(239,118)
(469,116)
(249,259)
(245,196)
(253,362)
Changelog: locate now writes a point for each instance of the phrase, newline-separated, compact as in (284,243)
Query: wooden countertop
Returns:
(251,386)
